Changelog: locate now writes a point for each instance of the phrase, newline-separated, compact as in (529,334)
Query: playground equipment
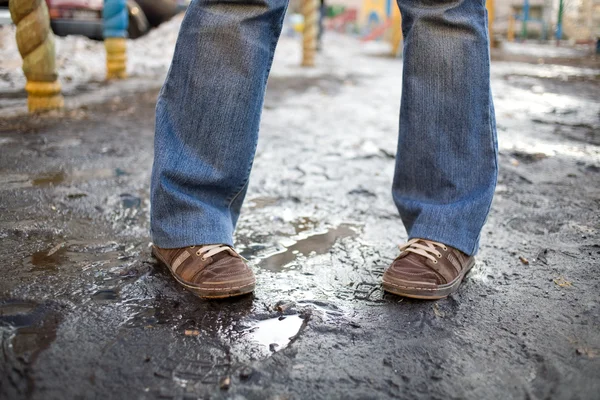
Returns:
(36,46)
(510,33)
(396,35)
(523,13)
(116,20)
(525,19)
(382,18)
(310,11)
(340,22)
(559,22)
(374,13)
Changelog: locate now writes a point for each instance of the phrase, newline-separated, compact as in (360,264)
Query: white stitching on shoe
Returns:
(179,260)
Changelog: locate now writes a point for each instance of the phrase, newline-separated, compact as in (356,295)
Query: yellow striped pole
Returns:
(396,34)
(309,40)
(510,34)
(115,16)
(116,58)
(491,10)
(35,41)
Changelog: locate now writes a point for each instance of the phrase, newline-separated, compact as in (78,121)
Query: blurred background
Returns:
(86,312)
(521,30)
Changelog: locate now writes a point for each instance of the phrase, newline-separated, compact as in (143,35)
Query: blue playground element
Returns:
(373,19)
(116,18)
(542,23)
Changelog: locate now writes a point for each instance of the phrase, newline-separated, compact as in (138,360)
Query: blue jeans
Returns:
(208,113)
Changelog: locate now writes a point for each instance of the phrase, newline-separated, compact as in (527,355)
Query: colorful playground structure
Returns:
(35,41)
(116,21)
(310,11)
(382,19)
(375,20)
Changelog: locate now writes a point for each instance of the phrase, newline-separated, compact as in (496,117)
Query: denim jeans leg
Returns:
(207,119)
(446,163)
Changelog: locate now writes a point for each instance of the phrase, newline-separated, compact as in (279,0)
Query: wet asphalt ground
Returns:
(86,312)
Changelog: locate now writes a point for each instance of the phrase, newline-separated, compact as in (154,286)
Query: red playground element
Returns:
(378,31)
(339,22)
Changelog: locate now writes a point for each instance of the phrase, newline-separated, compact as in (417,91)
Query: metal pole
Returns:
(559,22)
(116,21)
(36,45)
(322,13)
(310,33)
(525,18)
(510,34)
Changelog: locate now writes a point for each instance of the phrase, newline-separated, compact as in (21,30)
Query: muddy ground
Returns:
(86,312)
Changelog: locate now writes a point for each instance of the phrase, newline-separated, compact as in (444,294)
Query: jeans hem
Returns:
(201,239)
(196,231)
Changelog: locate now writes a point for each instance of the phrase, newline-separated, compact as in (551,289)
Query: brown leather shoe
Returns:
(209,271)
(426,270)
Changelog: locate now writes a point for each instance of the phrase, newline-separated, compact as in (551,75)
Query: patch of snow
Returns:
(81,60)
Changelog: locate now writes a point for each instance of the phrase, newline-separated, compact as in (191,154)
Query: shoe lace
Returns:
(210,250)
(424,247)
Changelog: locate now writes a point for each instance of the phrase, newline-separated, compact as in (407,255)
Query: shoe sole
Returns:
(211,293)
(440,292)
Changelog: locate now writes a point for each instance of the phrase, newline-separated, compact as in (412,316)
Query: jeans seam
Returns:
(241,190)
(492,142)
(274,40)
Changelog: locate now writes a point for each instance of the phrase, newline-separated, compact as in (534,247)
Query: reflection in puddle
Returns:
(16,313)
(85,254)
(58,178)
(130,201)
(276,333)
(34,325)
(319,243)
(304,224)
(261,202)
(106,294)
(49,259)
(50,179)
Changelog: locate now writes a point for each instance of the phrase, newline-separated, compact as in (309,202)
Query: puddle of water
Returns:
(19,181)
(304,224)
(262,202)
(71,252)
(36,326)
(48,260)
(276,333)
(49,179)
(28,329)
(15,313)
(130,201)
(121,172)
(106,294)
(319,243)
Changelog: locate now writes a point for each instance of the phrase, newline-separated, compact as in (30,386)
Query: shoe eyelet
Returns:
(203,259)
(198,253)
(435,261)
(445,248)
(439,255)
